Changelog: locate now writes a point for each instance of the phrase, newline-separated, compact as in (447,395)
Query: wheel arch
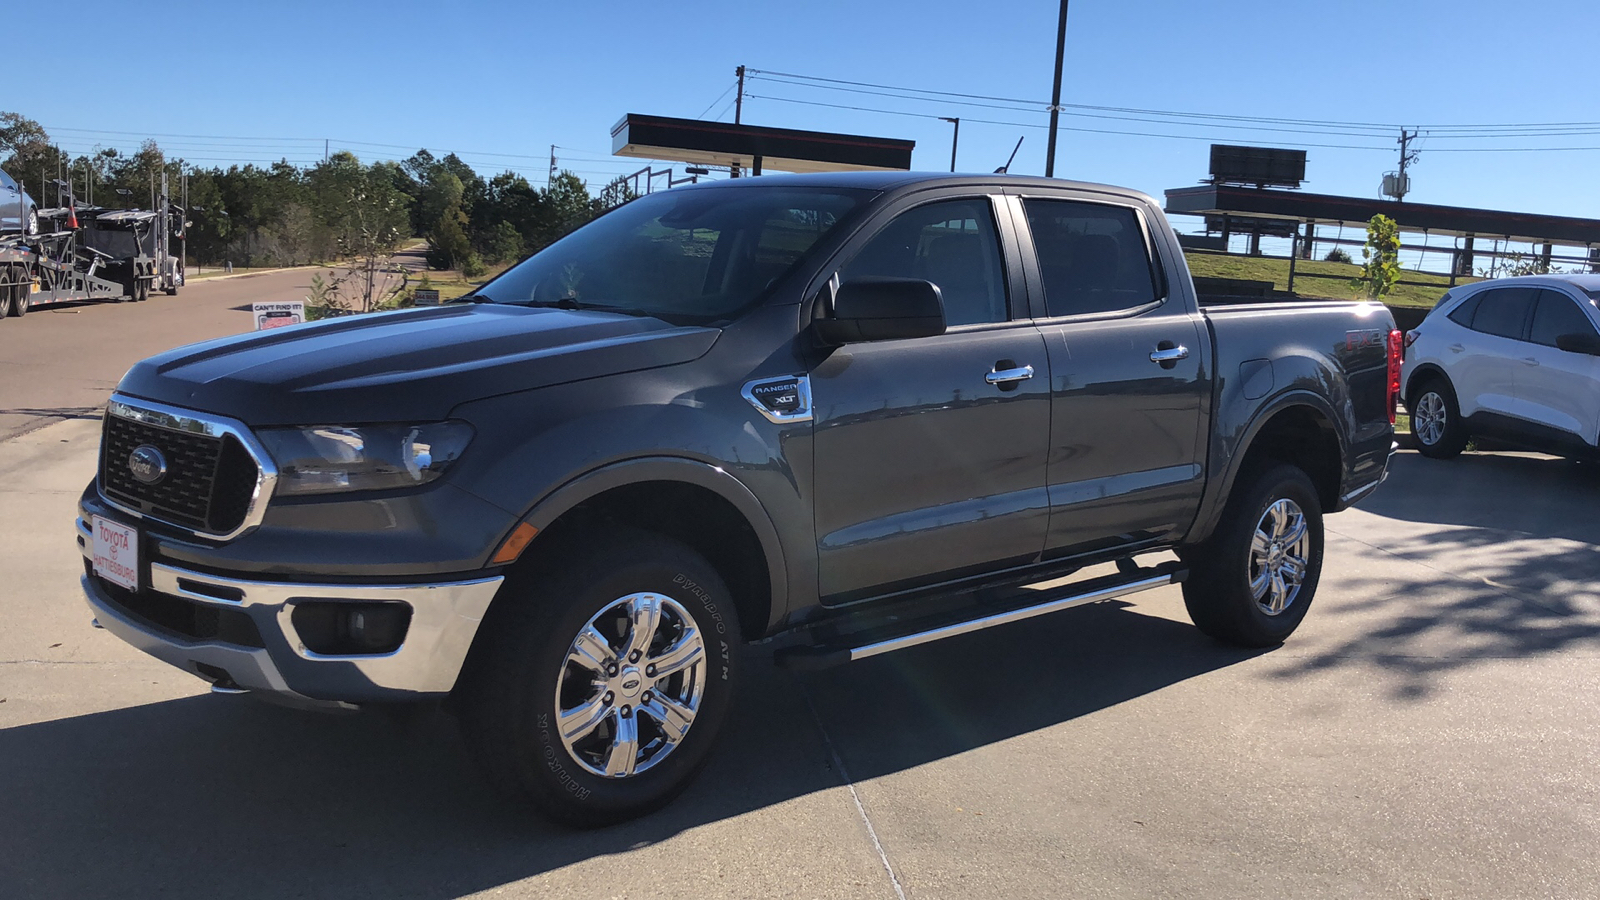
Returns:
(696,503)
(1299,428)
(1420,376)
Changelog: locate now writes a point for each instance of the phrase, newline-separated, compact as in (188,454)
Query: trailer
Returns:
(92,254)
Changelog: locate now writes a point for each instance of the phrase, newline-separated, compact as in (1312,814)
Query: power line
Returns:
(1186,137)
(823,83)
(716,101)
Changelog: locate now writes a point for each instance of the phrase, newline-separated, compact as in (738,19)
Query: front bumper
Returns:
(444,619)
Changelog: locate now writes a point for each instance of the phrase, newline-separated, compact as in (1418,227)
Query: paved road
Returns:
(1429,733)
(62,362)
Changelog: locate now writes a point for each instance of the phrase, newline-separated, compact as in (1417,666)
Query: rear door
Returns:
(930,452)
(1127,381)
(1482,363)
(1557,387)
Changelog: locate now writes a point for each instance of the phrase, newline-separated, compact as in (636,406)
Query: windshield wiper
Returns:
(575,303)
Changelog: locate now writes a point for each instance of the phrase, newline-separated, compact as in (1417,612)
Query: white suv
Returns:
(1516,359)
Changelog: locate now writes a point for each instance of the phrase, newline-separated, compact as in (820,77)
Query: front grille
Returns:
(209,484)
(181,617)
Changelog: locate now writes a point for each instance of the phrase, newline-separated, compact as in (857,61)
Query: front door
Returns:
(930,452)
(1556,387)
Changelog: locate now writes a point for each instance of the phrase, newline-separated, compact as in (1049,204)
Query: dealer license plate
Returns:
(116,553)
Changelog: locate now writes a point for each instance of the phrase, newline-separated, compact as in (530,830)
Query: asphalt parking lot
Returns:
(1430,732)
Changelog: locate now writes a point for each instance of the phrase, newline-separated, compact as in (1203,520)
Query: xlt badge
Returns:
(786,399)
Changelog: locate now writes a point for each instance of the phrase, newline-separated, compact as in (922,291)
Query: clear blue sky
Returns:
(493,77)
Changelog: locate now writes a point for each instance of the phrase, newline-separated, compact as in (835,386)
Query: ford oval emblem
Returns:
(147,464)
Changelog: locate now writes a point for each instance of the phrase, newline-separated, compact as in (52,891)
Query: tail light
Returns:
(1397,351)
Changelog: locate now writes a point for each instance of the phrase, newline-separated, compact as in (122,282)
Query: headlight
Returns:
(325,459)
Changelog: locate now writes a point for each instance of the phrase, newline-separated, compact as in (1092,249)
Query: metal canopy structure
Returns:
(1455,221)
(755,147)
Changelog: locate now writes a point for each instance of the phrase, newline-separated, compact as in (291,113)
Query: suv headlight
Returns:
(326,459)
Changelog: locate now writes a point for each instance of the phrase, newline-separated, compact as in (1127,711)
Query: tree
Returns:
(504,244)
(1380,267)
(448,245)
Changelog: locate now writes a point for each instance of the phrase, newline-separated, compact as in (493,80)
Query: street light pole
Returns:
(1055,93)
(954,139)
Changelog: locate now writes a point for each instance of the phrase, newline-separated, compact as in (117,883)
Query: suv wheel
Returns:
(599,688)
(1436,420)
(1252,581)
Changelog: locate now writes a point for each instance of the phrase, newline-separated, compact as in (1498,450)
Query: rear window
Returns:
(1093,257)
(1504,311)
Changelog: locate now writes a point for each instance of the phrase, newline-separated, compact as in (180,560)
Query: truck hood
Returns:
(410,365)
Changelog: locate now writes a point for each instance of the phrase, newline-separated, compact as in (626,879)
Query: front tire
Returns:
(1252,581)
(1436,420)
(599,686)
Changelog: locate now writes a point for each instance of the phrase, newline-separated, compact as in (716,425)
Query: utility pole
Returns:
(1407,157)
(953,139)
(324,149)
(738,100)
(552,179)
(1055,93)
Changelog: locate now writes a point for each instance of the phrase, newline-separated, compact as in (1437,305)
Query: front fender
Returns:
(719,481)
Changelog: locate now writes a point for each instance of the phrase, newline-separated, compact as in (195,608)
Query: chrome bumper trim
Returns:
(444,621)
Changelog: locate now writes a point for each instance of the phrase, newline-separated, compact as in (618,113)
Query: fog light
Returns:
(351,629)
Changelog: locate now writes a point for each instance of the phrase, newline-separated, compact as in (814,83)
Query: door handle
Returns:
(1009,376)
(1455,348)
(1170,354)
(1530,361)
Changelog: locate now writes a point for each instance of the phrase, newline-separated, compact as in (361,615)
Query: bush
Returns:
(1337,255)
(472,266)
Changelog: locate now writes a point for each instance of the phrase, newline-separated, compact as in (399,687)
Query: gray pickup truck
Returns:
(843,414)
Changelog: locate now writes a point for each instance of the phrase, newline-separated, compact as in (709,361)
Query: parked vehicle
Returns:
(1515,359)
(853,412)
(18,212)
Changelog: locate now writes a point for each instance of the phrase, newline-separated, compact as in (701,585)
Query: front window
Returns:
(686,256)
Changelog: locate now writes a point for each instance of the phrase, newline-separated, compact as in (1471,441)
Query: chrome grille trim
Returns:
(173,418)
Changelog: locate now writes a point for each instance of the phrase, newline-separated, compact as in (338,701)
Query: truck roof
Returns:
(897,180)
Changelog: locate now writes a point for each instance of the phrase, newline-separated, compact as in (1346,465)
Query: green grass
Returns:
(451,284)
(1254,268)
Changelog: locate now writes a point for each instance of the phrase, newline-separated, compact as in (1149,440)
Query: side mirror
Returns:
(883,309)
(1579,343)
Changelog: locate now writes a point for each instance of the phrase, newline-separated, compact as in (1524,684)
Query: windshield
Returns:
(689,256)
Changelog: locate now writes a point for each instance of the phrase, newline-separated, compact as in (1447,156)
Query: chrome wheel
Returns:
(631,685)
(1428,419)
(1278,556)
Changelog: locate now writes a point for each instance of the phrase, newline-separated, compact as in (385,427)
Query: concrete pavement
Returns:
(1429,733)
(62,362)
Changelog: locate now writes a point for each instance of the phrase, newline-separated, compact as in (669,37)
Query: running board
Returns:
(875,641)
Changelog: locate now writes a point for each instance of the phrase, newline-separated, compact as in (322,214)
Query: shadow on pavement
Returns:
(60,412)
(1512,567)
(213,796)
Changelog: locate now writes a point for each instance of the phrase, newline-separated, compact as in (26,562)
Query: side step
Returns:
(822,653)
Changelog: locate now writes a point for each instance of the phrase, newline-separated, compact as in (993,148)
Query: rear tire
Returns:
(21,299)
(1253,580)
(8,290)
(1436,420)
(558,682)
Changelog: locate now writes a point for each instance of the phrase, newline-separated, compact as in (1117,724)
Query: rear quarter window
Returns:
(1462,315)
